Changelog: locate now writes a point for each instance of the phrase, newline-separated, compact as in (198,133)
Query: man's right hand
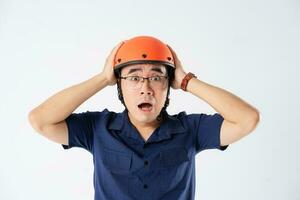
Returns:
(48,118)
(108,69)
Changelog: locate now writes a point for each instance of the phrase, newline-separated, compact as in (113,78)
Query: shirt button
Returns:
(146,162)
(145,186)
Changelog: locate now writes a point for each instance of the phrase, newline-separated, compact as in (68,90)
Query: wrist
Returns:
(181,76)
(186,80)
(102,79)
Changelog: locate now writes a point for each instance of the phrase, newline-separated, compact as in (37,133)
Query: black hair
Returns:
(171,77)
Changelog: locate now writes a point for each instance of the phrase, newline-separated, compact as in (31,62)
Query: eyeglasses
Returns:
(135,82)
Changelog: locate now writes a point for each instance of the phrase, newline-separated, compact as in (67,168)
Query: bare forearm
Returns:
(231,107)
(59,106)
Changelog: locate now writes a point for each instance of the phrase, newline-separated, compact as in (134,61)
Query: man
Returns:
(143,152)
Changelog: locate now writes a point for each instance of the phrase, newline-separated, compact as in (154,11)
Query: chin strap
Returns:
(163,112)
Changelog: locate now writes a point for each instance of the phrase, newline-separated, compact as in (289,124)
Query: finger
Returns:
(113,52)
(172,51)
(176,60)
(117,47)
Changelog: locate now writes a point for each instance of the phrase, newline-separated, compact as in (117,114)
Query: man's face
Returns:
(155,94)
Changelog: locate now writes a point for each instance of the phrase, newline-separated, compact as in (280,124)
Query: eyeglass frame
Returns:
(143,78)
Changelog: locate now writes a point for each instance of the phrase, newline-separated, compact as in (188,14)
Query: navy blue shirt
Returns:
(127,168)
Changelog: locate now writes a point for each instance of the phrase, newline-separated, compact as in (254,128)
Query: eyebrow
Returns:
(156,69)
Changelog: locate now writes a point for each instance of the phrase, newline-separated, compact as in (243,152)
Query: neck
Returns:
(143,125)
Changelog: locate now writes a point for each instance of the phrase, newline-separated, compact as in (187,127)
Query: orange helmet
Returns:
(143,49)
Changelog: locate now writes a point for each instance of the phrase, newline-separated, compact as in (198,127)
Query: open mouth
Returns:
(145,107)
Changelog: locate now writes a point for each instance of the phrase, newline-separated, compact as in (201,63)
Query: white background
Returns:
(250,48)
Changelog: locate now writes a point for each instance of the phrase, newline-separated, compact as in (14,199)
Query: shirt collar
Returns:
(171,125)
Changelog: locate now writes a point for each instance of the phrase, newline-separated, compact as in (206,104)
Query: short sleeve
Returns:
(208,131)
(81,130)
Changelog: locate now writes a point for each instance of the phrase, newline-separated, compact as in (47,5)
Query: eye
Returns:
(134,78)
(155,78)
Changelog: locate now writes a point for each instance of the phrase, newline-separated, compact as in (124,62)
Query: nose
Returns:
(146,89)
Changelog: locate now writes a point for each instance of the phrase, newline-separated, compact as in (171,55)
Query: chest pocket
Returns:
(116,161)
(173,169)
(173,157)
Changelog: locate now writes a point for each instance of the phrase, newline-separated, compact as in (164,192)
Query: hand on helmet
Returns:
(108,69)
(179,72)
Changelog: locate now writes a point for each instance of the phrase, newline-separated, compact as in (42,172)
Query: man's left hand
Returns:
(179,72)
